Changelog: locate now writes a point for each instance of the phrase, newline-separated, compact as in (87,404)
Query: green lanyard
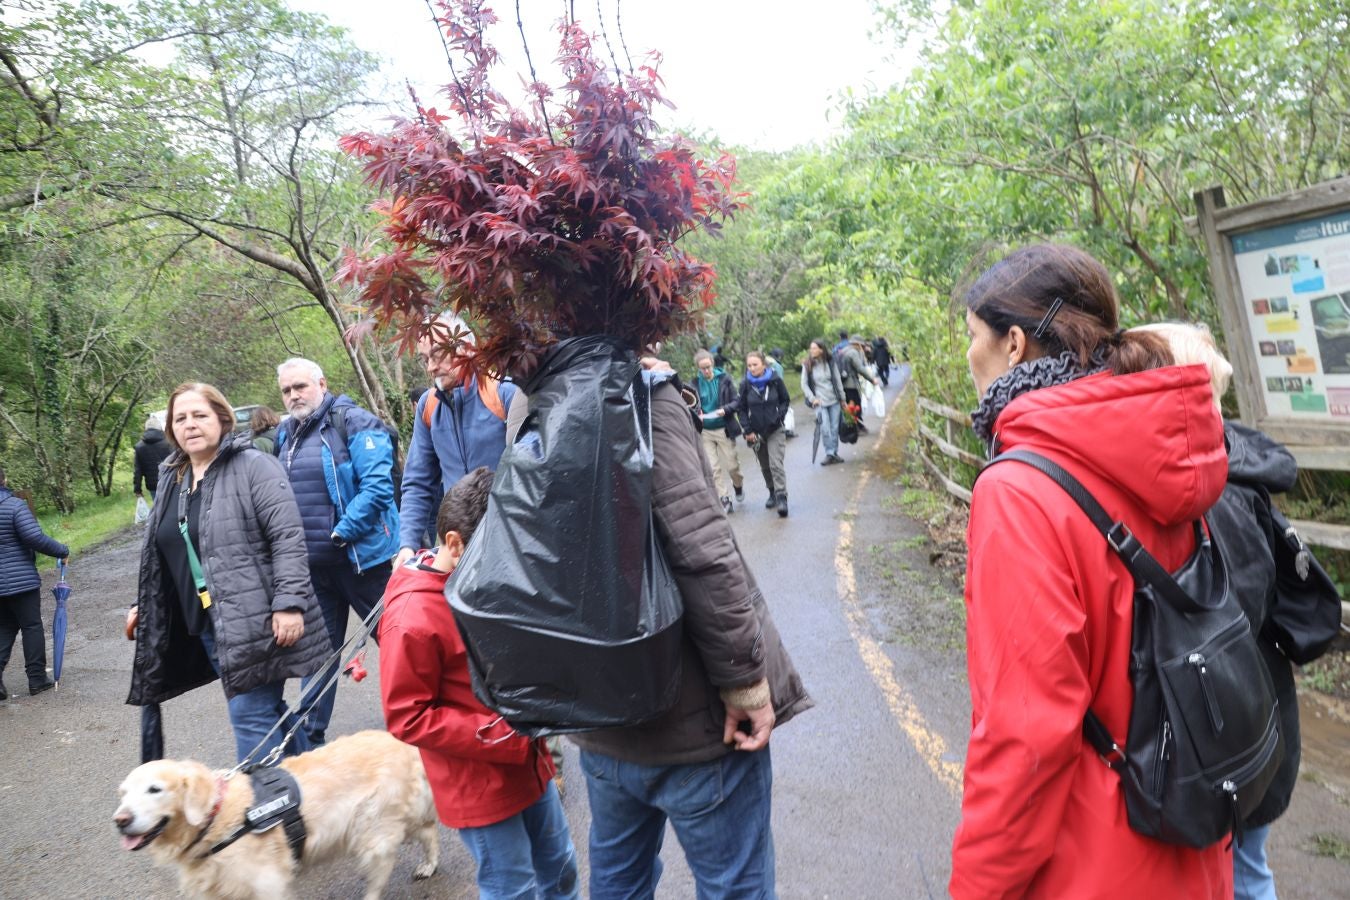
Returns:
(193,563)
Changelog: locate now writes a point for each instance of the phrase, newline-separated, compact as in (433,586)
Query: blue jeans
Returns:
(1252,878)
(827,420)
(253,713)
(526,856)
(720,812)
(338,589)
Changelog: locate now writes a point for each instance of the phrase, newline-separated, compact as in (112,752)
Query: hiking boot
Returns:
(781,502)
(37,687)
(769,504)
(740,494)
(726,505)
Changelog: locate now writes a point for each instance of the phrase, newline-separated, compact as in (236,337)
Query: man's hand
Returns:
(404,555)
(761,727)
(288,627)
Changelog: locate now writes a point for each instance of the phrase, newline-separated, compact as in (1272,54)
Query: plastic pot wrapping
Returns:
(564,597)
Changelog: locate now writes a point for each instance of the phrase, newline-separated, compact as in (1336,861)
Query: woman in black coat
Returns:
(246,611)
(21,537)
(1291,604)
(764,403)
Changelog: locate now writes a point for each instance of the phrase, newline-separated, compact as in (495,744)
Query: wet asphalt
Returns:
(860,807)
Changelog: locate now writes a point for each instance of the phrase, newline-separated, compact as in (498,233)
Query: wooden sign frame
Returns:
(1317,444)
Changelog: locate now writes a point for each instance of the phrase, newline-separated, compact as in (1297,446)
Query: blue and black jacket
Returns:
(356,474)
(463,435)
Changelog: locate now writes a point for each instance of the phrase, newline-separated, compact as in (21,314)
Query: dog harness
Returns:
(276,801)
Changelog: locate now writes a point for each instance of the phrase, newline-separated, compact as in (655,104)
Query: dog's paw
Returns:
(424,871)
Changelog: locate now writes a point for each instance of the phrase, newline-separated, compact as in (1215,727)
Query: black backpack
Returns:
(337,417)
(1204,739)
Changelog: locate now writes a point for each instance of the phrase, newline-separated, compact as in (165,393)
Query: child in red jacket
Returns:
(492,784)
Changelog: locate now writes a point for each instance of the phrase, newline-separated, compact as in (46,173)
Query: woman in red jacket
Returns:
(1049,606)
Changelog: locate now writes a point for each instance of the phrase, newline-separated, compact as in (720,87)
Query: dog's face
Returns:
(166,797)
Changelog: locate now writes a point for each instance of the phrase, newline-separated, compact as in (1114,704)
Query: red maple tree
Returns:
(542,223)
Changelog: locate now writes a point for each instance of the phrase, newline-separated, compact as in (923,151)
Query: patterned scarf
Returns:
(1046,371)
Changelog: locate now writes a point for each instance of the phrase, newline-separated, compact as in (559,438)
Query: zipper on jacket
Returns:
(1164,754)
(337,486)
(1197,662)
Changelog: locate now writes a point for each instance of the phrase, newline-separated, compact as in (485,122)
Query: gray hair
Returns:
(1193,344)
(153,421)
(452,323)
(702,355)
(299,361)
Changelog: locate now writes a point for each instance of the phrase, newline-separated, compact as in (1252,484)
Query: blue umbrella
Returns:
(61,591)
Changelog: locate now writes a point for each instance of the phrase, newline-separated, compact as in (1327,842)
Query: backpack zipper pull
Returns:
(1197,660)
(1302,559)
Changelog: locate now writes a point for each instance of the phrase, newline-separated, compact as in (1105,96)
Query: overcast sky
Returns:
(754,72)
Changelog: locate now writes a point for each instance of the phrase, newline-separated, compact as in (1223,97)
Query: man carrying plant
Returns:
(340,460)
(557,229)
(718,400)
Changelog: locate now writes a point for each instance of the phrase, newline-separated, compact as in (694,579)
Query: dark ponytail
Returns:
(1021,289)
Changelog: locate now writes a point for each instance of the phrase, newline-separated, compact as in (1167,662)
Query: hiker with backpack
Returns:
(1291,603)
(459,426)
(1050,605)
(340,460)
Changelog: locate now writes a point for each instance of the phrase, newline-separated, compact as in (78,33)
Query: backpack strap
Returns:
(1138,560)
(488,392)
(430,407)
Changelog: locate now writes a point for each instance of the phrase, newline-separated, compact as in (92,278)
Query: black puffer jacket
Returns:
(151,451)
(1255,547)
(253,556)
(761,410)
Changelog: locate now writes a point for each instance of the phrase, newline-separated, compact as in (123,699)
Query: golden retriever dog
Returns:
(362,796)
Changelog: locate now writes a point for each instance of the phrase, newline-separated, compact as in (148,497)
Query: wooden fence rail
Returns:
(1321,534)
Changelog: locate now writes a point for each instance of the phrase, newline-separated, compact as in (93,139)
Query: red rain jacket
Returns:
(1049,610)
(481,771)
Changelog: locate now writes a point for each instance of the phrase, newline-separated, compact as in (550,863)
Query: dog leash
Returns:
(300,709)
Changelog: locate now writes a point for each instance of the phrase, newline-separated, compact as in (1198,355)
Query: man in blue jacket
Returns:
(340,459)
(459,426)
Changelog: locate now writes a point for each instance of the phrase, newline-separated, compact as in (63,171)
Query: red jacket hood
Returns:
(411,577)
(1156,435)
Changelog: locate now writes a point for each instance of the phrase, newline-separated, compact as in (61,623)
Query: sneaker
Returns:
(726,505)
(38,687)
(781,503)
(830,460)
(769,504)
(740,493)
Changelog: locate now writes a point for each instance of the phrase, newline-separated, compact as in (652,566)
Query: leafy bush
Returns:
(540,223)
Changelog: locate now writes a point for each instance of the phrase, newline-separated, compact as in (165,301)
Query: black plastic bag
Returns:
(564,597)
(848,430)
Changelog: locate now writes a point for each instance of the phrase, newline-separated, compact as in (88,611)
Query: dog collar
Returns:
(211,816)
